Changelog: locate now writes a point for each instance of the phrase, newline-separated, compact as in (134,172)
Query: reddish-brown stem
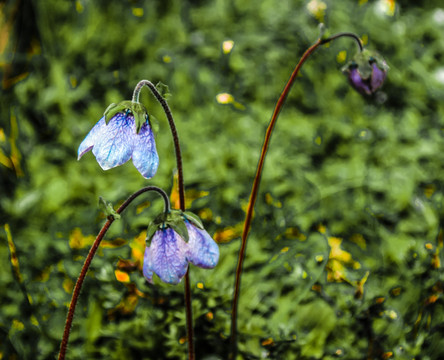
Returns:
(189,316)
(253,196)
(172,125)
(180,183)
(257,178)
(78,287)
(87,263)
(79,283)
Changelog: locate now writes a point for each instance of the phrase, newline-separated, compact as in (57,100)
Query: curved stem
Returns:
(87,263)
(180,183)
(257,178)
(172,125)
(345,34)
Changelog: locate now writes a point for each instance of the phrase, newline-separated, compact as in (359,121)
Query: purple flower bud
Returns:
(366,74)
(378,77)
(356,80)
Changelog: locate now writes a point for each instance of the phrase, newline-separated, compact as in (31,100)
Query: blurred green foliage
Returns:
(345,255)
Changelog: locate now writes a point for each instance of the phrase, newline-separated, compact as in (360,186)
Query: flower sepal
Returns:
(194,219)
(137,109)
(364,59)
(173,219)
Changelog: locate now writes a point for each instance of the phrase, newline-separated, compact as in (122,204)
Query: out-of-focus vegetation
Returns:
(345,256)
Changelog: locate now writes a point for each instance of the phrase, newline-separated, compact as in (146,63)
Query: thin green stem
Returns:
(257,178)
(169,115)
(87,263)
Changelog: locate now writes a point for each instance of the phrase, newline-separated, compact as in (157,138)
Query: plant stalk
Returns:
(257,179)
(180,182)
(87,263)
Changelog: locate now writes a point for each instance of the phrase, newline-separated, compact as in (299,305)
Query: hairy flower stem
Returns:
(92,252)
(169,115)
(344,34)
(257,179)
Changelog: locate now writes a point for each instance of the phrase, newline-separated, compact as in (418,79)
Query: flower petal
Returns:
(378,77)
(168,256)
(145,157)
(113,146)
(90,139)
(148,265)
(358,82)
(202,249)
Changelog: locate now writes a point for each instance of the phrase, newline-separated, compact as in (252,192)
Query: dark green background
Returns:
(366,170)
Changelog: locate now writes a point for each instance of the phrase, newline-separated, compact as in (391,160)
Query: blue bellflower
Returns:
(113,144)
(169,254)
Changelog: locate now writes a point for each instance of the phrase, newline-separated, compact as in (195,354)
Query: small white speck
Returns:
(438,16)
(439,75)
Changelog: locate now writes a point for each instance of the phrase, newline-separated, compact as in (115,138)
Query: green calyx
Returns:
(193,218)
(137,109)
(174,219)
(364,61)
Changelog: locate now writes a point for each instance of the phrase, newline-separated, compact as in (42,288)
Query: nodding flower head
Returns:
(366,72)
(123,132)
(177,238)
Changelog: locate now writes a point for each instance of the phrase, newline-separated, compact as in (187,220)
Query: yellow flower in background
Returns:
(387,6)
(317,9)
(226,98)
(122,276)
(78,241)
(227,46)
(338,261)
(138,249)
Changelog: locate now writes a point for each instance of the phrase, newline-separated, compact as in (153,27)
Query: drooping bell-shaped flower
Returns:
(166,257)
(177,238)
(124,132)
(366,72)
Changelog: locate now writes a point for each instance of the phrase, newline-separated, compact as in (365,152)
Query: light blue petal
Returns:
(148,265)
(90,139)
(168,256)
(145,157)
(113,145)
(202,249)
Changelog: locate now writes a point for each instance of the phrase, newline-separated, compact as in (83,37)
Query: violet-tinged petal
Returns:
(378,77)
(357,82)
(145,157)
(148,265)
(113,146)
(202,249)
(91,139)
(168,256)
